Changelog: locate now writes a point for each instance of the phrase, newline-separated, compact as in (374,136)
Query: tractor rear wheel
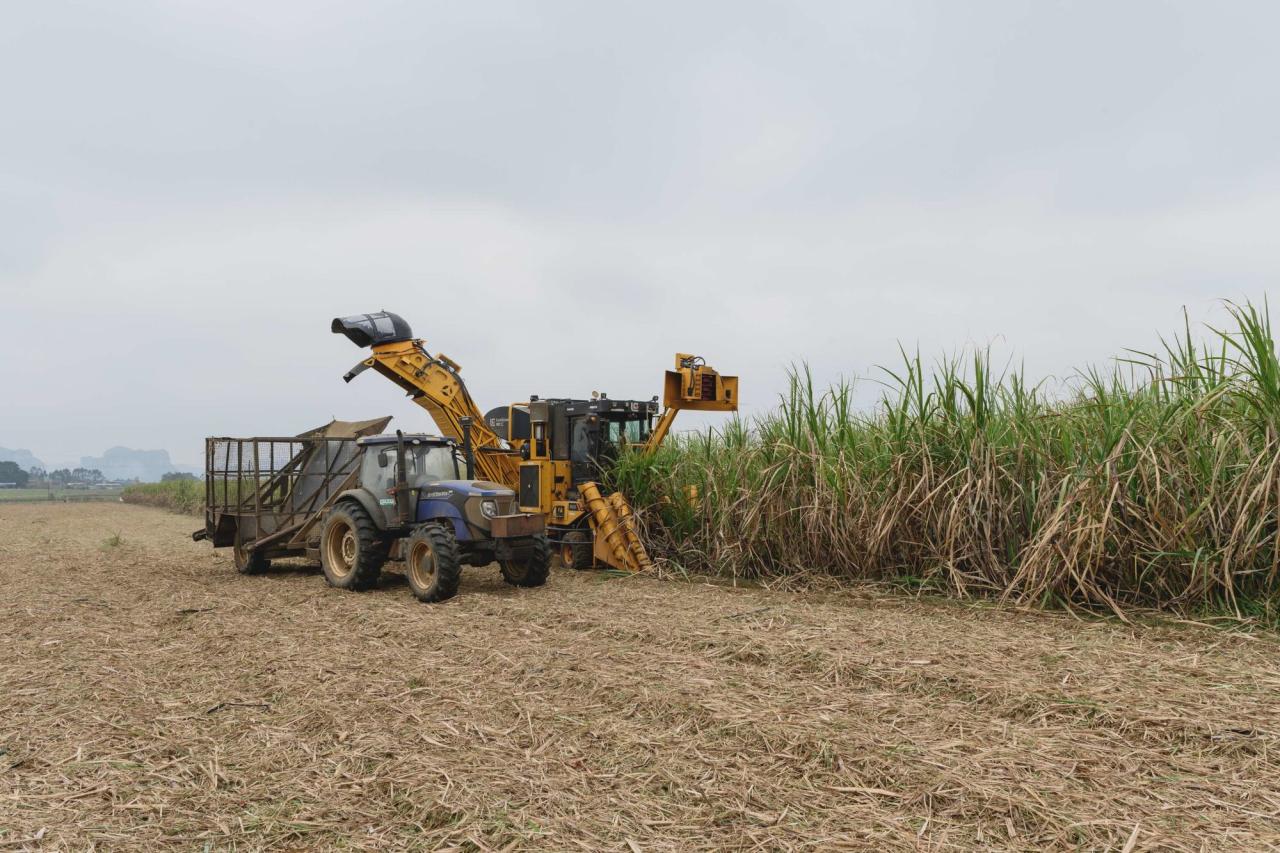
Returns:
(576,551)
(431,563)
(533,570)
(351,550)
(249,562)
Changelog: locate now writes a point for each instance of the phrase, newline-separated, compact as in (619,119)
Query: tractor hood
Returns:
(429,489)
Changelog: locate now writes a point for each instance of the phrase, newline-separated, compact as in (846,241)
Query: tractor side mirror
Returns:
(383,459)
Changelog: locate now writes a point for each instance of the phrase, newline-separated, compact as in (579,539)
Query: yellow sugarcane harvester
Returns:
(551,451)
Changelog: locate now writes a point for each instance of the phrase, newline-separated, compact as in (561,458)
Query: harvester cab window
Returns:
(630,431)
(583,448)
(582,445)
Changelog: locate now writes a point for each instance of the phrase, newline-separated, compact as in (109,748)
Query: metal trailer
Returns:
(265,496)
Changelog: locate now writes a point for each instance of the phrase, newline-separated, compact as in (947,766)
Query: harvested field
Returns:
(150,696)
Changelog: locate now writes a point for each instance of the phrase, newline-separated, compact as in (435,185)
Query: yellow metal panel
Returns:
(433,383)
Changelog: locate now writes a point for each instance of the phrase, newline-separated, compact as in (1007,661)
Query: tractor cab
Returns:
(428,459)
(434,484)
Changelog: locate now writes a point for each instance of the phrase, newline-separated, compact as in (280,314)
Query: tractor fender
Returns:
(366,500)
(444,511)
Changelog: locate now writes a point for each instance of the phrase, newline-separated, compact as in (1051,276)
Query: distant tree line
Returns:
(76,475)
(11,473)
(38,477)
(60,477)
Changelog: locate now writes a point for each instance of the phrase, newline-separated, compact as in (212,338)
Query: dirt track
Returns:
(149,695)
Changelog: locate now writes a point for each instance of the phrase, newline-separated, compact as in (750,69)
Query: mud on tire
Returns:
(533,570)
(249,562)
(431,563)
(576,551)
(351,549)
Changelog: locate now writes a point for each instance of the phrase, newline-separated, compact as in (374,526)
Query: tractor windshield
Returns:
(428,463)
(434,462)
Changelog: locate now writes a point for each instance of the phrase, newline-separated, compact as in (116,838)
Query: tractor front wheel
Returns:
(351,550)
(533,570)
(432,565)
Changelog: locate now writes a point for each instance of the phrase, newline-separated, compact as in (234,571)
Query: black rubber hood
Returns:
(367,330)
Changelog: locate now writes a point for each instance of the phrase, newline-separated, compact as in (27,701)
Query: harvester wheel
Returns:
(432,564)
(249,562)
(532,571)
(576,551)
(351,551)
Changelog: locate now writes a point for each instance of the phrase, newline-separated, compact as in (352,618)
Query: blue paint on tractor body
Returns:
(441,510)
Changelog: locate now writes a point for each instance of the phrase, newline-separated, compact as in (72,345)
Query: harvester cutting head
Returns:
(696,387)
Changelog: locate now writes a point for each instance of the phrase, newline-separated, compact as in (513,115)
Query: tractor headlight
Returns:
(489,508)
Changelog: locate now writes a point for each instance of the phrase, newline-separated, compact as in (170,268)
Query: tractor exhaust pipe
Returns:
(404,498)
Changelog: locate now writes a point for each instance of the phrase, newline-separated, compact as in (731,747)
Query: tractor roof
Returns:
(409,439)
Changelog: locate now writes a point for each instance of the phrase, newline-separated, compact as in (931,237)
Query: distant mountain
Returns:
(125,463)
(23,457)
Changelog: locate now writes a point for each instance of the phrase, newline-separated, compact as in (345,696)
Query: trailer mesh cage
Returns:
(268,487)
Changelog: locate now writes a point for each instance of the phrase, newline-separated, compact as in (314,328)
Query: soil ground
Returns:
(152,697)
(59,494)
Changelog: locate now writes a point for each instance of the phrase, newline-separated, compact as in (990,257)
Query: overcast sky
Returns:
(561,195)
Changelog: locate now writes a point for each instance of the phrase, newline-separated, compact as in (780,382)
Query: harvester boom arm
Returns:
(661,428)
(434,383)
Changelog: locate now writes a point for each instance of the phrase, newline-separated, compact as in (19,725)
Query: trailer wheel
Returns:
(351,551)
(532,571)
(432,564)
(249,562)
(576,551)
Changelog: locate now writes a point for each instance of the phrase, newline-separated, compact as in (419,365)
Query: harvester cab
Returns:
(565,446)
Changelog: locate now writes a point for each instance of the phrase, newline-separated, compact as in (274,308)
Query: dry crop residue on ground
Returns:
(151,696)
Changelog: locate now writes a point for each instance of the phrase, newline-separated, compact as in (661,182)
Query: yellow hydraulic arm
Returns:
(434,383)
(693,386)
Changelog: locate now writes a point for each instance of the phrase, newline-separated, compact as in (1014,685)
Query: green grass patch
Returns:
(184,496)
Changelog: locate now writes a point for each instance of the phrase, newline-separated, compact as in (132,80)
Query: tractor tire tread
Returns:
(535,570)
(371,556)
(444,546)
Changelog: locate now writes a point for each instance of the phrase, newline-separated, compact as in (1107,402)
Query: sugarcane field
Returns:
(639,428)
(157,699)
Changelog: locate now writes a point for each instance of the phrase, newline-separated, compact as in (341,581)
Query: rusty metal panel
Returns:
(520,524)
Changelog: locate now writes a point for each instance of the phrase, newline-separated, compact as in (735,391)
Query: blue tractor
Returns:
(354,501)
(412,502)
